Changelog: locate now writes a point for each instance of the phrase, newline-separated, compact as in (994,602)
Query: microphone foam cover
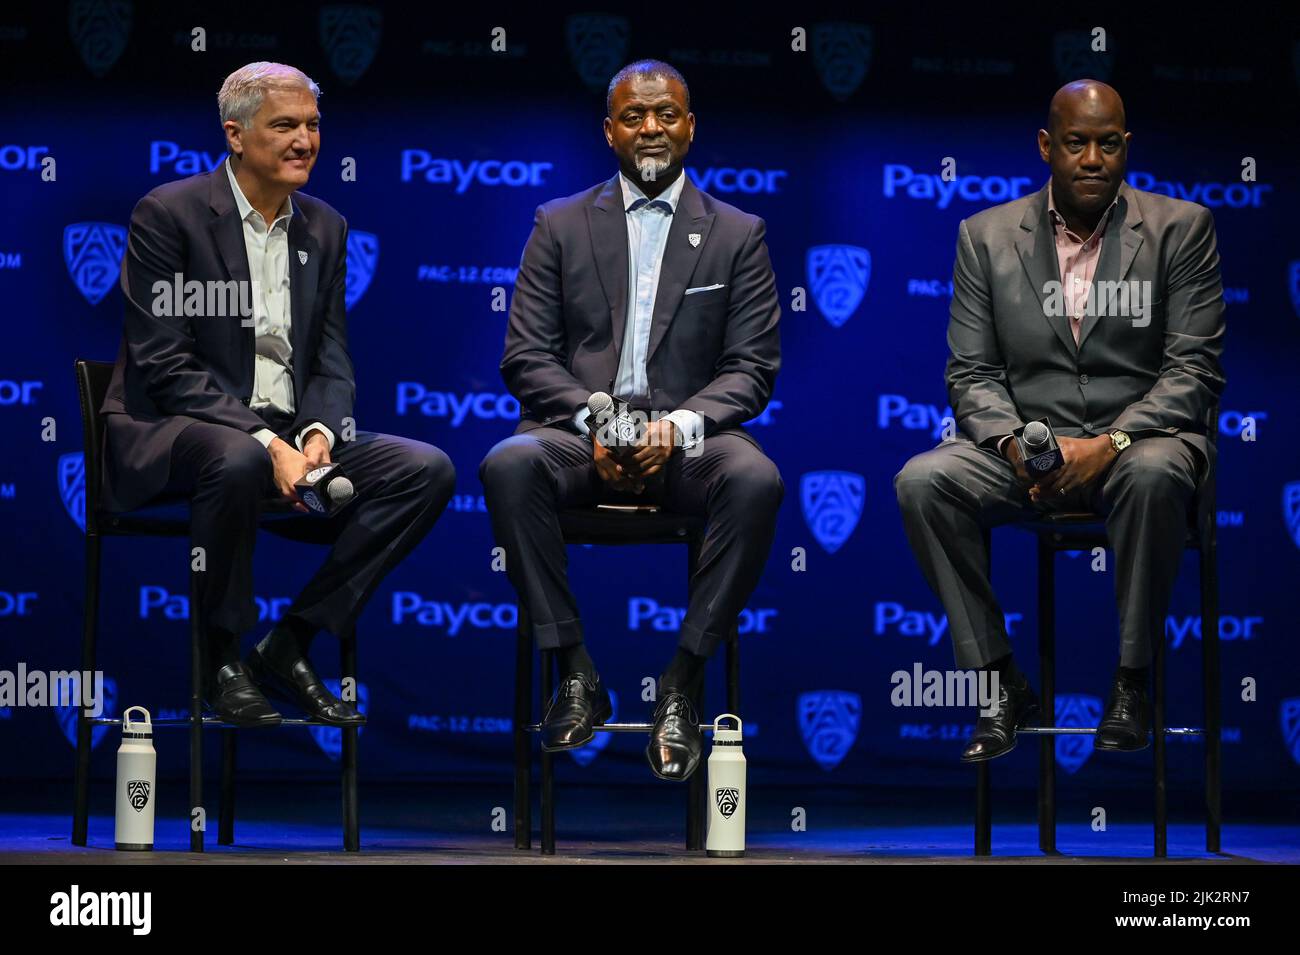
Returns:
(341,490)
(1036,433)
(599,402)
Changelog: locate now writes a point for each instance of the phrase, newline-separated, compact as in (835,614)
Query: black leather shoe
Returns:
(300,685)
(232,695)
(580,703)
(996,735)
(676,742)
(1126,722)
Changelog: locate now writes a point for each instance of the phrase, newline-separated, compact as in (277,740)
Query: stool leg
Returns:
(1047,664)
(351,804)
(523,751)
(983,812)
(1211,689)
(733,673)
(196,716)
(226,825)
(548,762)
(695,789)
(1158,742)
(89,630)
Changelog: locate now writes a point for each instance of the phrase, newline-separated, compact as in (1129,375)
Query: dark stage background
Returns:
(839,148)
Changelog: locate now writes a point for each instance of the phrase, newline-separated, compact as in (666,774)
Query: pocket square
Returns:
(705,288)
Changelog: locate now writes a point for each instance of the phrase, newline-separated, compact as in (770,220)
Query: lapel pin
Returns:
(694,239)
(302,256)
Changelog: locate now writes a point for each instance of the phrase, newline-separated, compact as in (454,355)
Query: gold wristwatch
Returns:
(1119,440)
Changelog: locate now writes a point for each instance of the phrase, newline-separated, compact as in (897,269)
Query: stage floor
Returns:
(425,824)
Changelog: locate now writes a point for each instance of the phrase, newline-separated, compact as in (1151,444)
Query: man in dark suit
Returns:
(648,289)
(1127,376)
(228,397)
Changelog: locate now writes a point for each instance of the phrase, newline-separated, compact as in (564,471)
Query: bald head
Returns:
(1085,99)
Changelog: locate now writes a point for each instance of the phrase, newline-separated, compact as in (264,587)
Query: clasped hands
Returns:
(1086,460)
(290,464)
(628,472)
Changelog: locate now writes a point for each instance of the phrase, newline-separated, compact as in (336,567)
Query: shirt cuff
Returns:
(691,425)
(264,435)
(315,426)
(1002,443)
(580,420)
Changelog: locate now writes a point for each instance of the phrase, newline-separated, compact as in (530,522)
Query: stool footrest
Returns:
(620,728)
(210,722)
(1089,731)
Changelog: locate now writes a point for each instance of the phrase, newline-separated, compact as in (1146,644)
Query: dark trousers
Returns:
(950,494)
(529,477)
(402,486)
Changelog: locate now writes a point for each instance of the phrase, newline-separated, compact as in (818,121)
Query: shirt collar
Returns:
(1056,219)
(632,192)
(245,207)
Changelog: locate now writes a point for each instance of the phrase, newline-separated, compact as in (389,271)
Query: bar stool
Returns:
(1084,531)
(171,519)
(612,525)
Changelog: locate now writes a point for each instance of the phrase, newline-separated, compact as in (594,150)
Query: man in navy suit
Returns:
(234,396)
(650,290)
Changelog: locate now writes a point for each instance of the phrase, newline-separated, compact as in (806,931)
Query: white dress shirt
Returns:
(268,268)
(648,224)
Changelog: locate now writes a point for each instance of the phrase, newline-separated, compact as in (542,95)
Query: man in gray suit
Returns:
(1127,376)
(646,288)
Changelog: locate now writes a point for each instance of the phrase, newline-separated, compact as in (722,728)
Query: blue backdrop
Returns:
(839,147)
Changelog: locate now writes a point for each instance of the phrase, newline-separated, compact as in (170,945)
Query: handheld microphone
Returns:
(325,490)
(611,421)
(1038,448)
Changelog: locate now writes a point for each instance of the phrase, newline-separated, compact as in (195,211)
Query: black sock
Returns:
(1137,676)
(223,648)
(684,672)
(575,659)
(290,639)
(1007,670)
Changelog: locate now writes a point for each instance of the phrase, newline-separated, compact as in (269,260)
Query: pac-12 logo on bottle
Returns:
(137,790)
(728,801)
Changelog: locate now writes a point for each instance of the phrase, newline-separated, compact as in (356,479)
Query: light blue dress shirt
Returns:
(648,223)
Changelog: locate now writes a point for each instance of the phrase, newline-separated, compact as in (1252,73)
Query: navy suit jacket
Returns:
(175,370)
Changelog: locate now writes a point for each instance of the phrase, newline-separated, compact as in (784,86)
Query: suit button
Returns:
(1083,379)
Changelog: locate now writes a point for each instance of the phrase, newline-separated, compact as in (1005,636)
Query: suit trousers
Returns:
(951,493)
(528,478)
(402,486)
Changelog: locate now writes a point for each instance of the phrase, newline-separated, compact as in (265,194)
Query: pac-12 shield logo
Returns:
(137,791)
(832,503)
(1075,58)
(597,46)
(1295,287)
(363,255)
(838,276)
(1291,510)
(1081,712)
(728,801)
(584,755)
(330,738)
(842,56)
(72,486)
(66,714)
(99,30)
(828,720)
(1291,726)
(350,37)
(93,254)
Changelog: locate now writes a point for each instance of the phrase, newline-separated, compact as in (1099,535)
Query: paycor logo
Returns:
(157,602)
(1212,195)
(166,156)
(415,398)
(514,173)
(410,607)
(893,618)
(913,416)
(648,612)
(931,187)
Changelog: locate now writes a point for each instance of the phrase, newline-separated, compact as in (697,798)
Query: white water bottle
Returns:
(726,832)
(137,766)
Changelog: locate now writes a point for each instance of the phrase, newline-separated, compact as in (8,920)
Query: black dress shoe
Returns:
(580,703)
(996,735)
(1126,722)
(232,695)
(298,683)
(676,742)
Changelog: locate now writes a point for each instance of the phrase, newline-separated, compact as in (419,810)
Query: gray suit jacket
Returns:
(1010,362)
(716,352)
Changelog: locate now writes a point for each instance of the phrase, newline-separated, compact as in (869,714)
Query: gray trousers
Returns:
(950,494)
(529,477)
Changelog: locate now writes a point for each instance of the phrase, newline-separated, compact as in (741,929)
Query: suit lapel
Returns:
(304,277)
(681,256)
(228,234)
(608,224)
(1036,247)
(1119,246)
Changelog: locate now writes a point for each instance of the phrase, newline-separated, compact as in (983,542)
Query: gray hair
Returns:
(242,93)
